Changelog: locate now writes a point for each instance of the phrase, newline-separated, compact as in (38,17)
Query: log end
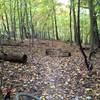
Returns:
(24,58)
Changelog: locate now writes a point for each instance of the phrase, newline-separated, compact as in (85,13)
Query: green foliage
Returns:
(42,12)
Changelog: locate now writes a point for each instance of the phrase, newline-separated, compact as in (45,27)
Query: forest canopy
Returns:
(49,19)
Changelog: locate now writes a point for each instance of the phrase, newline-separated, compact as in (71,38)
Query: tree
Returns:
(70,14)
(8,26)
(55,19)
(88,64)
(93,26)
(31,22)
(75,22)
(13,18)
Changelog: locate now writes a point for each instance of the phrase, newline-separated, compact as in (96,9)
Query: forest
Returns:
(49,49)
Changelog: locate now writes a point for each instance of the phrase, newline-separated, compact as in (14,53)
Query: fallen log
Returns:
(57,53)
(13,57)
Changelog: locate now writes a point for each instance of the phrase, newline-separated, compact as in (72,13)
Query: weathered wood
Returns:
(57,53)
(13,57)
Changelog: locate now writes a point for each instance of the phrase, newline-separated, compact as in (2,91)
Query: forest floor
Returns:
(52,78)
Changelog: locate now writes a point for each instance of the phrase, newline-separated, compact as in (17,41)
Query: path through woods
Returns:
(52,78)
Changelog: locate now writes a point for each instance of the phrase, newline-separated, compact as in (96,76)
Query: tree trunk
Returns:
(11,17)
(8,28)
(53,29)
(55,20)
(18,11)
(21,19)
(14,21)
(70,21)
(88,64)
(75,24)
(32,26)
(93,27)
(3,22)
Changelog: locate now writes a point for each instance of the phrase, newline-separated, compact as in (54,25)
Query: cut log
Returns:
(57,53)
(13,57)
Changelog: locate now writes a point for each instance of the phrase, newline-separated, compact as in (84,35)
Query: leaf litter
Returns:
(52,78)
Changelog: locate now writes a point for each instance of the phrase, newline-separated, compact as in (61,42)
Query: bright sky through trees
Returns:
(64,1)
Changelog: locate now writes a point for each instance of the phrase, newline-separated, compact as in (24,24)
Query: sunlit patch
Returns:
(64,1)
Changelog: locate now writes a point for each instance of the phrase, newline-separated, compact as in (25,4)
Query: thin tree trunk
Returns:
(53,29)
(31,23)
(3,22)
(19,18)
(14,21)
(8,28)
(11,19)
(88,64)
(70,21)
(55,20)
(26,13)
(22,16)
(75,23)
(48,33)
(93,27)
